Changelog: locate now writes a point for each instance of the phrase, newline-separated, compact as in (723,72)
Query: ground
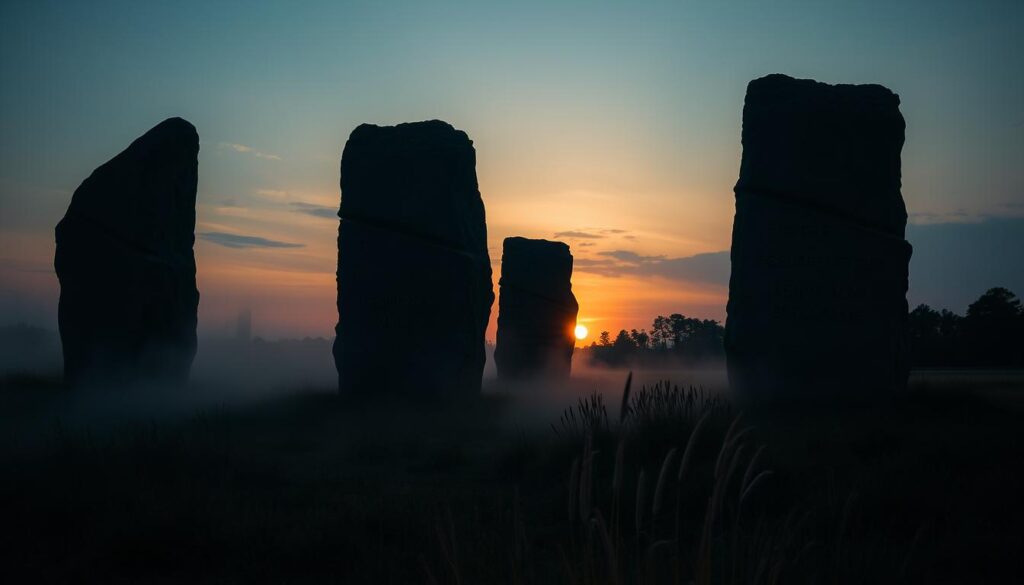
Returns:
(304,487)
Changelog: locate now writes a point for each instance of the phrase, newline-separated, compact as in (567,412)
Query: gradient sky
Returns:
(612,126)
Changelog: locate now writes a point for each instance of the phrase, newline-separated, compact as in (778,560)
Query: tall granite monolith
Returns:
(414,274)
(536,310)
(128,298)
(817,298)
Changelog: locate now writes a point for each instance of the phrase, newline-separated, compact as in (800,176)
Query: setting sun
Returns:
(581,332)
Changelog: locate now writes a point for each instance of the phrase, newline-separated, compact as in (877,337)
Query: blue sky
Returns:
(614,119)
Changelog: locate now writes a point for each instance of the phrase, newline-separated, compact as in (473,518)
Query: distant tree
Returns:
(623,342)
(926,333)
(640,338)
(923,322)
(993,329)
(605,339)
(949,324)
(990,335)
(676,337)
(997,304)
(706,338)
(661,332)
(677,325)
(688,337)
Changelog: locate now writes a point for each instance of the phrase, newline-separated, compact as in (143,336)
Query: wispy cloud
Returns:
(240,241)
(1003,210)
(927,217)
(241,148)
(578,234)
(632,257)
(315,210)
(590,233)
(602,266)
(709,268)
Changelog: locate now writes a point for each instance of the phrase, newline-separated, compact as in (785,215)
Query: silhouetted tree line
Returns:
(991,334)
(676,338)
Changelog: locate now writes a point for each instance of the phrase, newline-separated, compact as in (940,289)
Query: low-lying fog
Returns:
(229,372)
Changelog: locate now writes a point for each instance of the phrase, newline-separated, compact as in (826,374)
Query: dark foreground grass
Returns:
(307,489)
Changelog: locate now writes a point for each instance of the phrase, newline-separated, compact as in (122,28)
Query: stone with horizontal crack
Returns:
(817,296)
(414,274)
(536,310)
(128,299)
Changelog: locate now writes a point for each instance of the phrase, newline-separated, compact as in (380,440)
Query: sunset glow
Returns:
(621,141)
(581,332)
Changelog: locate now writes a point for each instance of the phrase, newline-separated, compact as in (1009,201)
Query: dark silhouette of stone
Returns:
(414,275)
(817,297)
(128,297)
(536,310)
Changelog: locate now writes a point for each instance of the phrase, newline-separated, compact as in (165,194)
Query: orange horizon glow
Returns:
(292,292)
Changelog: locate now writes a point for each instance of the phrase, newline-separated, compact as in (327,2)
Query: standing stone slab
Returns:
(414,275)
(536,310)
(128,298)
(817,297)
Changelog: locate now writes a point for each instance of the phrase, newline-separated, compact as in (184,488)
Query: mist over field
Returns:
(230,373)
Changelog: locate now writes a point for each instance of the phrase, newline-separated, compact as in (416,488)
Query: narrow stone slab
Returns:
(536,310)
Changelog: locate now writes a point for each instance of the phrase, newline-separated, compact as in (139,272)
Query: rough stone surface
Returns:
(128,297)
(536,310)
(817,297)
(414,275)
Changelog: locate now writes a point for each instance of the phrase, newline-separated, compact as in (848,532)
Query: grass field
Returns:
(304,488)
